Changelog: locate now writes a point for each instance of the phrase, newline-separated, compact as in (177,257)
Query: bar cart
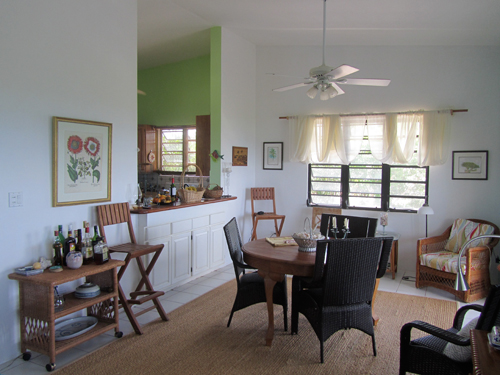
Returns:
(38,314)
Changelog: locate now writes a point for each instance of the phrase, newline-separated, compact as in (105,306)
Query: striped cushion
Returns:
(463,230)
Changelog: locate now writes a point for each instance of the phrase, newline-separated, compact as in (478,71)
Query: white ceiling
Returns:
(176,30)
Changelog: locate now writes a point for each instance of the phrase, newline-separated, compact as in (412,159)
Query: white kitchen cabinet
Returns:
(218,246)
(194,242)
(163,277)
(181,257)
(200,253)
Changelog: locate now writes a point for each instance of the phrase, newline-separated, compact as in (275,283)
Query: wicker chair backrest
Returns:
(490,316)
(358,226)
(350,270)
(234,244)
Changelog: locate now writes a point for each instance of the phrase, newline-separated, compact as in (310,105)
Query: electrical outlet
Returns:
(16,199)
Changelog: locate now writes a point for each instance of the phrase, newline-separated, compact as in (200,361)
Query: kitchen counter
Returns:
(159,208)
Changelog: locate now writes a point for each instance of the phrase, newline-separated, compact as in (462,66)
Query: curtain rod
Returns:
(452,111)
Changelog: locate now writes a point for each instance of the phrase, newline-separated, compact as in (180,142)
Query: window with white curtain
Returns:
(372,161)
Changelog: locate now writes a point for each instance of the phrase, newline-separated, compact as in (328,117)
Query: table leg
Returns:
(270,280)
(374,316)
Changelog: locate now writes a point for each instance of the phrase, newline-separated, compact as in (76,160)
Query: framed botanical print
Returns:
(273,155)
(470,165)
(81,162)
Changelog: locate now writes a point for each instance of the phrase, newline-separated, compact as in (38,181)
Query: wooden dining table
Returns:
(273,263)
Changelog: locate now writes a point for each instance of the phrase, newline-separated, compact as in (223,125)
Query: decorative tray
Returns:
(28,271)
(69,328)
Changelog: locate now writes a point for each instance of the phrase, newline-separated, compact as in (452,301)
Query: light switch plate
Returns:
(16,199)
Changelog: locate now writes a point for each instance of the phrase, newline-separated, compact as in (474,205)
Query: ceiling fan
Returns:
(326,80)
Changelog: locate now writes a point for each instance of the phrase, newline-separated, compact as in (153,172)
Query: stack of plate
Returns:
(87,290)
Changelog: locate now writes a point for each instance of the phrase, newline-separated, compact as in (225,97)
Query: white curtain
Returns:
(392,137)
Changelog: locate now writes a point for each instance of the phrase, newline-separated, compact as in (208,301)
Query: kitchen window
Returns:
(368,184)
(177,149)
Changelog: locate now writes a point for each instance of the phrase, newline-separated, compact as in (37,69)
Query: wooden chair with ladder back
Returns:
(118,213)
(265,194)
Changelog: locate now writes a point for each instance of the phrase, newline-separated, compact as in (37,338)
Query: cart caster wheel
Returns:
(50,367)
(27,356)
(118,334)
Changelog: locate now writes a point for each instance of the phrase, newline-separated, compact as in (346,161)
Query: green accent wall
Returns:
(215,102)
(175,93)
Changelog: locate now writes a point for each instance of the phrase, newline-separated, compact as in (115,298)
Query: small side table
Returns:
(393,268)
(485,359)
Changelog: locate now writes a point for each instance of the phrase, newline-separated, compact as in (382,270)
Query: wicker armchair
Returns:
(425,355)
(251,289)
(477,266)
(339,296)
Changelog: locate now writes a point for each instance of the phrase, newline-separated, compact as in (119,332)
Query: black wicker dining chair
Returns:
(431,355)
(339,296)
(251,289)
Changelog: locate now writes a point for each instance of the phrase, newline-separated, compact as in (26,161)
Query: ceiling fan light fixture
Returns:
(332,92)
(312,92)
(324,95)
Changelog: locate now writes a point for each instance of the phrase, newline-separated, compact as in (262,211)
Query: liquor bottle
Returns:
(87,250)
(61,235)
(101,251)
(57,250)
(79,243)
(69,244)
(173,190)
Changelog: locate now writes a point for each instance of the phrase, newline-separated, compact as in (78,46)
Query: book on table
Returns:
(281,241)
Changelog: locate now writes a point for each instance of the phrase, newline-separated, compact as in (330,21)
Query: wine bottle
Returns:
(87,251)
(69,244)
(61,235)
(57,250)
(173,190)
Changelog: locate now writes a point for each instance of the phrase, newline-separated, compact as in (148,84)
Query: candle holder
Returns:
(334,230)
(346,232)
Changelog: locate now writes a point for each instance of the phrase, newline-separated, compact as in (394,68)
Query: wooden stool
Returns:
(119,213)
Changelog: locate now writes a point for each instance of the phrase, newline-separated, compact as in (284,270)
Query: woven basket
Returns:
(190,196)
(213,193)
(307,245)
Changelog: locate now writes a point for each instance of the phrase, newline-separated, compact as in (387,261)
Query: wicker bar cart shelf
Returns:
(38,315)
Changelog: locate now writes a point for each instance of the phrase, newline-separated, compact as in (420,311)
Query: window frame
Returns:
(385,195)
(185,148)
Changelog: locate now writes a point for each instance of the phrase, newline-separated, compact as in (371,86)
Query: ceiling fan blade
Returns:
(339,90)
(365,82)
(281,89)
(342,71)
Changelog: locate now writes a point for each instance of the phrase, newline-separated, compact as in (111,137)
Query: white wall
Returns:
(238,121)
(68,58)
(422,78)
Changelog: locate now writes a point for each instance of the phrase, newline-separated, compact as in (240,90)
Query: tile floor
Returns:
(183,294)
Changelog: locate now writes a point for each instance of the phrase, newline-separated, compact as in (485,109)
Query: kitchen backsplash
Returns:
(153,181)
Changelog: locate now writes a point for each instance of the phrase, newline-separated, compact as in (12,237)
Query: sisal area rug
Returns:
(197,341)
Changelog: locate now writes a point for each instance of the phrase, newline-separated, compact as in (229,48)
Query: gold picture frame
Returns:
(81,162)
(240,156)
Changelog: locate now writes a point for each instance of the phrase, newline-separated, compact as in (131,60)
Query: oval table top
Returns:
(279,259)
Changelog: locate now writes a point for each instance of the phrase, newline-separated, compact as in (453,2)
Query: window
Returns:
(178,148)
(369,184)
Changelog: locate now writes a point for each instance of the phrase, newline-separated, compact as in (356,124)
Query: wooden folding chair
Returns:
(265,194)
(116,213)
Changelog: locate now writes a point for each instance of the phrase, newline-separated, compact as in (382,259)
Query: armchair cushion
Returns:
(446,261)
(463,230)
(457,352)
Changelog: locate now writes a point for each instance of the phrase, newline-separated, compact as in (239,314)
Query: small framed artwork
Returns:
(240,156)
(81,162)
(470,165)
(273,155)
